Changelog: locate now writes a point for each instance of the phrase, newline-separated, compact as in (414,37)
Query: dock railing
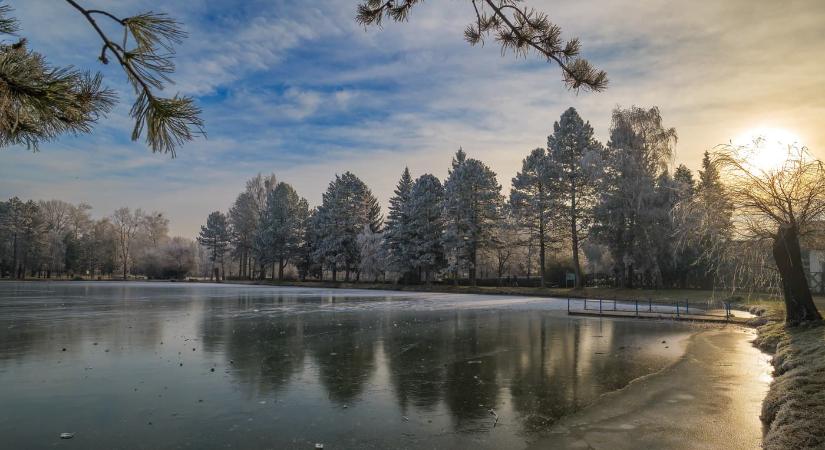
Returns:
(679,309)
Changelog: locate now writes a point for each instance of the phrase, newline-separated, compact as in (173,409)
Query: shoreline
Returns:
(660,296)
(794,406)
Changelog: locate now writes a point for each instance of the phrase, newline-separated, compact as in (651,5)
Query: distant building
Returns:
(814,263)
(813,259)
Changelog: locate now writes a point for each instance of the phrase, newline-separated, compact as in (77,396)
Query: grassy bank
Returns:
(794,409)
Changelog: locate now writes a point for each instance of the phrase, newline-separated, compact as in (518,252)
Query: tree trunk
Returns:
(799,305)
(574,238)
(216,274)
(576,264)
(281,269)
(542,281)
(472,270)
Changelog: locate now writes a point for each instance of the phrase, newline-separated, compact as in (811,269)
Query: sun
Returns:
(767,148)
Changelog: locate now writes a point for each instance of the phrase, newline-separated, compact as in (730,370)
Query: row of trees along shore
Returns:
(615,214)
(576,200)
(56,239)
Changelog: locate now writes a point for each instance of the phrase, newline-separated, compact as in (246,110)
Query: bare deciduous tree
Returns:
(781,204)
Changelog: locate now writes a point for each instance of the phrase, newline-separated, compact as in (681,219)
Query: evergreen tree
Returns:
(518,29)
(373,257)
(426,226)
(281,233)
(533,203)
(347,205)
(639,150)
(244,220)
(397,232)
(42,102)
(215,237)
(572,151)
(472,202)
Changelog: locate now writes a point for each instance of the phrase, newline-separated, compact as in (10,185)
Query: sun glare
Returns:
(767,148)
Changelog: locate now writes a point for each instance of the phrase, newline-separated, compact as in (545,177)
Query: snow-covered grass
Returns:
(794,409)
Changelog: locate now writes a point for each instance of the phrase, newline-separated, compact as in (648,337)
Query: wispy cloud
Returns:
(301,90)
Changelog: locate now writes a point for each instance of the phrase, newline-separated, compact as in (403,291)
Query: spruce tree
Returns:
(215,237)
(571,151)
(472,202)
(426,226)
(397,230)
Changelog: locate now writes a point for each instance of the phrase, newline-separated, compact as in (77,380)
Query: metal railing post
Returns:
(568,305)
(600,306)
(637,307)
(677,309)
(649,305)
(614,304)
(585,303)
(687,306)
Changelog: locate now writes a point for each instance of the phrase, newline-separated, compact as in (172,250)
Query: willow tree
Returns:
(781,204)
(40,102)
(518,29)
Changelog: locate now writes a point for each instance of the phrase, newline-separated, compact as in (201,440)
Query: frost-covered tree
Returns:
(244,218)
(347,205)
(778,206)
(425,208)
(574,158)
(533,203)
(704,229)
(373,256)
(22,237)
(156,227)
(639,149)
(215,237)
(126,223)
(472,203)
(282,229)
(397,230)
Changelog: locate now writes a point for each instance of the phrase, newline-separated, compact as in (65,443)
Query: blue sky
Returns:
(304,92)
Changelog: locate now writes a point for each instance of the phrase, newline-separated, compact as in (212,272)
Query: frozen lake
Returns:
(175,365)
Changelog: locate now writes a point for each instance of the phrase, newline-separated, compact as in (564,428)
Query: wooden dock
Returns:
(660,316)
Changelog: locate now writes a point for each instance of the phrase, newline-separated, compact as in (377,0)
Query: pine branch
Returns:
(167,122)
(39,103)
(517,29)
(8,25)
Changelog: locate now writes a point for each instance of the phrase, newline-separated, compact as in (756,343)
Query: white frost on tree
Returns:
(472,202)
(373,258)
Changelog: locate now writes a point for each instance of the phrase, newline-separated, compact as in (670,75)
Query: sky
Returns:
(300,90)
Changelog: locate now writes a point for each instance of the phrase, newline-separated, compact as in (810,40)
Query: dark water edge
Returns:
(294,366)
